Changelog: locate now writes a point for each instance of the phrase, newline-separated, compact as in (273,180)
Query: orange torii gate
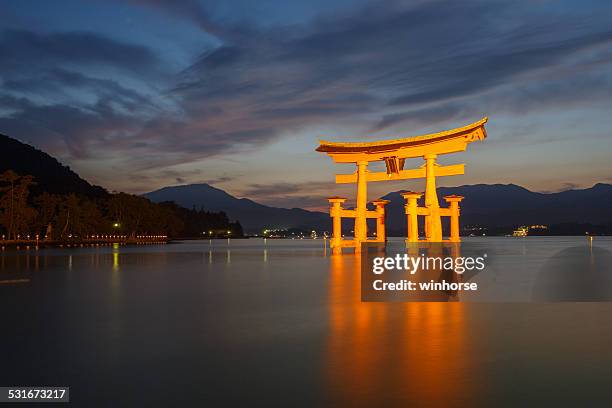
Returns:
(394,153)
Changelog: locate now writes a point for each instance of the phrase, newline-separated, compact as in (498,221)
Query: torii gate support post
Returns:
(433,224)
(361,225)
(453,203)
(411,215)
(381,235)
(336,214)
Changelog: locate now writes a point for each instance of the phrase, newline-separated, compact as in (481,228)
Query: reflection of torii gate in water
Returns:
(394,153)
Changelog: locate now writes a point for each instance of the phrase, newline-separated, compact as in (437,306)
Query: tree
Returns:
(16,216)
(48,210)
(78,216)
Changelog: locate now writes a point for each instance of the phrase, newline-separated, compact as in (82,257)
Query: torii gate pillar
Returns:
(411,210)
(381,234)
(433,224)
(453,202)
(361,225)
(336,215)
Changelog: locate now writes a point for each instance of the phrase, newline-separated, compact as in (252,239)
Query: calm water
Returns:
(282,324)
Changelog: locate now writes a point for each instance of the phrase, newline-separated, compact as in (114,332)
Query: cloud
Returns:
(569,186)
(373,69)
(290,195)
(77,127)
(518,98)
(306,202)
(193,11)
(468,74)
(274,189)
(394,65)
(57,81)
(72,92)
(217,180)
(423,116)
(22,49)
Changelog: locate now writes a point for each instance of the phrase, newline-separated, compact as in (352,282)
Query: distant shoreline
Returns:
(28,244)
(157,239)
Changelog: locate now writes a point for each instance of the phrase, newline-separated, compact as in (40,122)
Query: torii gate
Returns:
(394,153)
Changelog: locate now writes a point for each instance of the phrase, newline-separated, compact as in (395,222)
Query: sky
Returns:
(137,95)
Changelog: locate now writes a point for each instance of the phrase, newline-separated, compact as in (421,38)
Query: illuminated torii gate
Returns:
(394,153)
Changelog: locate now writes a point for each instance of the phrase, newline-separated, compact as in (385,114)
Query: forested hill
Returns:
(49,174)
(41,197)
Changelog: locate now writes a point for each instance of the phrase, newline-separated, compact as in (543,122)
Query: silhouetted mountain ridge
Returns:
(508,204)
(253,216)
(484,204)
(49,174)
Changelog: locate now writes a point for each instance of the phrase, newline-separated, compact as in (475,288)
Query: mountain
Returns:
(253,216)
(491,205)
(49,174)
(496,205)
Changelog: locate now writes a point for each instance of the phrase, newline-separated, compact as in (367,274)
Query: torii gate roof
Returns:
(449,141)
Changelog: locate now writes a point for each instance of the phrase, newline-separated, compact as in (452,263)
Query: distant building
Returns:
(521,231)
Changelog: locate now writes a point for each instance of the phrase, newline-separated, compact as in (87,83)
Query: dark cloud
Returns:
(193,11)
(386,66)
(308,202)
(76,127)
(217,180)
(21,49)
(290,195)
(55,82)
(570,186)
(182,176)
(53,93)
(515,98)
(417,64)
(470,74)
(275,189)
(424,116)
(564,187)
